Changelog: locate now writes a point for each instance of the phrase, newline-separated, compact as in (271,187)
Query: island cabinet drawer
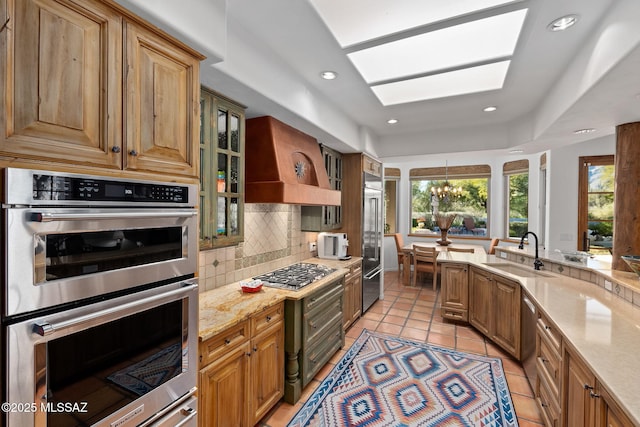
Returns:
(455,314)
(329,292)
(316,356)
(548,403)
(548,363)
(317,322)
(264,319)
(218,345)
(547,330)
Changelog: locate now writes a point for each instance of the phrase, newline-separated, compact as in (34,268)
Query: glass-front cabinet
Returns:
(221,171)
(326,218)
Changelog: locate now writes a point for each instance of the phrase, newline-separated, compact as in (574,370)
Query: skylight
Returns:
(467,80)
(484,40)
(357,21)
(404,57)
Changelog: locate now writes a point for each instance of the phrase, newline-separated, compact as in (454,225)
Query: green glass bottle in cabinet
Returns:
(221,171)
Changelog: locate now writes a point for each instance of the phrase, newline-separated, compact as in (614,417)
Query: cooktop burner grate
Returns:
(295,276)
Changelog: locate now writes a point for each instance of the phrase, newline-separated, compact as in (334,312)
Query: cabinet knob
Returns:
(133,152)
(268,318)
(115,149)
(227,341)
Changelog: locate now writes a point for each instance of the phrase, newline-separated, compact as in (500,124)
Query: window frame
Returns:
(452,173)
(509,170)
(583,196)
(391,176)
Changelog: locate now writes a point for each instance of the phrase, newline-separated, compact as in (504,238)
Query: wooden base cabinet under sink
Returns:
(242,371)
(454,279)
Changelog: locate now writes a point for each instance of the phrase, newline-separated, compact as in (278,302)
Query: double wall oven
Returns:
(99,301)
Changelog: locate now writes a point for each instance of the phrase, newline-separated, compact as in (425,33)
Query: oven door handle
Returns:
(44,328)
(81,216)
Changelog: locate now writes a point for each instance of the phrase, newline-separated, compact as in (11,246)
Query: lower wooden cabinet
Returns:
(454,279)
(352,299)
(586,402)
(494,309)
(242,371)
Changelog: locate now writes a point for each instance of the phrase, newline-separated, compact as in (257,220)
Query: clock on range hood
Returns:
(284,165)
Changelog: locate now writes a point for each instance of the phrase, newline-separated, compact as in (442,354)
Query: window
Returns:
(595,204)
(516,176)
(391,179)
(469,200)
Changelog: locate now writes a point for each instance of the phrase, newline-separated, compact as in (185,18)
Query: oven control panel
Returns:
(34,187)
(58,187)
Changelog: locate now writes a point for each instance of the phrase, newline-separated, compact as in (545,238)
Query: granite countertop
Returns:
(602,327)
(226,306)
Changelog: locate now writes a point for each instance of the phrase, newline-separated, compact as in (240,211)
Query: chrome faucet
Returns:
(536,262)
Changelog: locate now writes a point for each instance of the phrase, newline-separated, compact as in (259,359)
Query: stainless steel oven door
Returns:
(56,255)
(113,363)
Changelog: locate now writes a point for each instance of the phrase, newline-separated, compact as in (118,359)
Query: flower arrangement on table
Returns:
(444,221)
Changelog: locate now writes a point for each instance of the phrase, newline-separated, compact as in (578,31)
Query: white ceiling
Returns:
(585,77)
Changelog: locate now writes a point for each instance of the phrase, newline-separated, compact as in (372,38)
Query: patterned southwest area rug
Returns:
(389,381)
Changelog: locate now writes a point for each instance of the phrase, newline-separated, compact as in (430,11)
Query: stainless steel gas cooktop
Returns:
(295,276)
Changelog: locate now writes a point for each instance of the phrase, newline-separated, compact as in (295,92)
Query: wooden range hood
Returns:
(284,165)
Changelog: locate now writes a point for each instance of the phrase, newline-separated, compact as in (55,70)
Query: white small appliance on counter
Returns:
(332,245)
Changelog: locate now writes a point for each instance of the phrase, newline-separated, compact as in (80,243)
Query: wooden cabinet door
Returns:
(578,403)
(267,371)
(481,301)
(161,105)
(455,286)
(63,82)
(225,390)
(357,294)
(506,310)
(347,301)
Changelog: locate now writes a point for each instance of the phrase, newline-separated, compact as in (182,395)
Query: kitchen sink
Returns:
(516,269)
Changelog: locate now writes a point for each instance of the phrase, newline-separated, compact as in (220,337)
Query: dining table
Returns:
(408,251)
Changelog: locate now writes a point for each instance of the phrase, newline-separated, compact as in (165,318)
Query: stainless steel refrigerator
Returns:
(372,229)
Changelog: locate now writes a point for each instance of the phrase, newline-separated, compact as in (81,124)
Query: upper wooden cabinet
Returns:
(66,77)
(161,104)
(326,218)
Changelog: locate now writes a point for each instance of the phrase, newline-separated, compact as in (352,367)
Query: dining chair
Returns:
(399,244)
(492,245)
(424,261)
(467,250)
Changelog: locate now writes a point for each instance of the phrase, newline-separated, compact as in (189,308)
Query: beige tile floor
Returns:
(414,313)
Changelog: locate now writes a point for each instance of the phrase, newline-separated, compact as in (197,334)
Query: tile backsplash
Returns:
(273,239)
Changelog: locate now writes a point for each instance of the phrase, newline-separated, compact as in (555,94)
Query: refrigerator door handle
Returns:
(376,228)
(373,273)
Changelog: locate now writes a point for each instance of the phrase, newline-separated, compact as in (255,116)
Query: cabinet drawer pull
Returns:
(588,387)
(268,318)
(593,395)
(227,341)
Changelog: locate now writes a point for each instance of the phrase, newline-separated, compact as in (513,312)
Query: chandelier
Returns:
(447,190)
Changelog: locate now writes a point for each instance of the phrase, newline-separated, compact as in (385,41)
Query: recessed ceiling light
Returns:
(586,130)
(490,109)
(518,151)
(329,75)
(563,23)
(392,121)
